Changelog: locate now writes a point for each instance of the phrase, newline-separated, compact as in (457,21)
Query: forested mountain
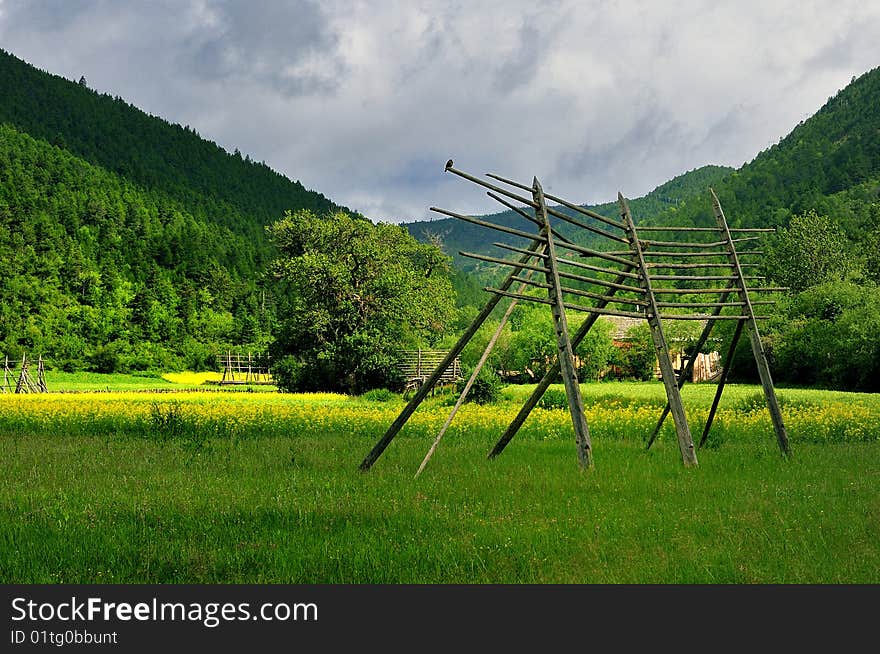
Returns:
(148,151)
(456,235)
(127,242)
(829,163)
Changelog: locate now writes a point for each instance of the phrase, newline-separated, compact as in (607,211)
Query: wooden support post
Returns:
(720,389)
(565,348)
(754,335)
(683,432)
(688,370)
(422,392)
(41,376)
(21,385)
(548,378)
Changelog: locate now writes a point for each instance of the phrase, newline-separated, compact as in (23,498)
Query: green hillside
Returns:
(829,163)
(128,242)
(100,273)
(154,154)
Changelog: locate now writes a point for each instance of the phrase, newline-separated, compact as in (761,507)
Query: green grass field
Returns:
(264,488)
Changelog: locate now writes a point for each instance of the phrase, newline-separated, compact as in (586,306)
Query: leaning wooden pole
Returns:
(683,432)
(565,348)
(754,335)
(550,376)
(425,388)
(725,370)
(688,369)
(470,382)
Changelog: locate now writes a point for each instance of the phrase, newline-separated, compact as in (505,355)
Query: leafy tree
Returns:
(810,251)
(352,294)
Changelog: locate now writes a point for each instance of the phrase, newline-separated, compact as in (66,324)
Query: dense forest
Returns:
(128,242)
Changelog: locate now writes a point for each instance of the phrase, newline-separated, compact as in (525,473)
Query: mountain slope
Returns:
(154,154)
(127,242)
(830,163)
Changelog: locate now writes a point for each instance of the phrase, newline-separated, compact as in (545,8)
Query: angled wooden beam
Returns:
(725,370)
(645,228)
(425,388)
(567,305)
(689,367)
(563,341)
(548,379)
(564,203)
(470,382)
(682,430)
(593,296)
(754,335)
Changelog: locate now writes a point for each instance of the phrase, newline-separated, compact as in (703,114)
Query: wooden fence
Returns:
(416,365)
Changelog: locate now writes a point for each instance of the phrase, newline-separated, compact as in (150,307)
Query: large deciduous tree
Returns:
(812,250)
(353,294)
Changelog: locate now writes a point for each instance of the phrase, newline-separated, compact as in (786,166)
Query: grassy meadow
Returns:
(239,487)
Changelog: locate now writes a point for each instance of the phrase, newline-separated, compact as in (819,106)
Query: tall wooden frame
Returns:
(635,284)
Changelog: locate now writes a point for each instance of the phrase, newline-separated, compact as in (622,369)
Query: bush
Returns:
(379,395)
(486,388)
(554,398)
(288,374)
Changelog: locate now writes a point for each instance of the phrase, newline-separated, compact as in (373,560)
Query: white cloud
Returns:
(366,101)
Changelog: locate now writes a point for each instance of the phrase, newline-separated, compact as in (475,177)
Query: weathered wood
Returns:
(525,214)
(663,253)
(562,273)
(564,203)
(701,305)
(700,278)
(565,349)
(686,244)
(567,305)
(423,391)
(579,292)
(470,382)
(682,430)
(725,370)
(754,336)
(550,210)
(599,269)
(689,366)
(715,291)
(548,379)
(644,228)
(485,223)
(623,314)
(652,266)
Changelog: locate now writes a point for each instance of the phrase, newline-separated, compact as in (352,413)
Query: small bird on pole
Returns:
(449,164)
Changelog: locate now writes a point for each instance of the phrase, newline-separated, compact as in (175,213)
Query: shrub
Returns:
(379,395)
(554,398)
(486,388)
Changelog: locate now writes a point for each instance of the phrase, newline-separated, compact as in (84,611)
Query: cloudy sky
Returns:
(365,101)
